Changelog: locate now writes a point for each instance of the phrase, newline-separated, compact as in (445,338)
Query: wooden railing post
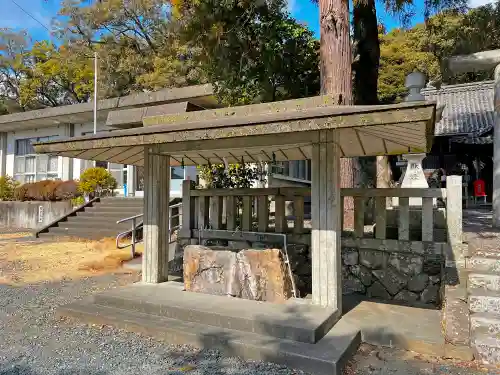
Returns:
(188,207)
(454,219)
(359,216)
(380,218)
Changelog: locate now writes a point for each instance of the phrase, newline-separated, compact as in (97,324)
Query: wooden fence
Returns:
(263,210)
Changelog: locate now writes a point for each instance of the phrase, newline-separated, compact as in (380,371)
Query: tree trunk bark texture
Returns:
(366,52)
(336,77)
(366,65)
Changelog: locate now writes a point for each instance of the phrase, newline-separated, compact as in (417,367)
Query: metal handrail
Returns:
(134,228)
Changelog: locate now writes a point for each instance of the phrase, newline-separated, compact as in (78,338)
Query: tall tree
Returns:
(252,51)
(336,77)
(57,77)
(136,41)
(14,56)
(424,47)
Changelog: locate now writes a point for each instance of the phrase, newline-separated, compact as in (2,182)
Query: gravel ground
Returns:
(34,342)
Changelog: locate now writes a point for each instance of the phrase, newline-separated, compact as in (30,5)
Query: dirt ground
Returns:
(372,360)
(31,262)
(7,236)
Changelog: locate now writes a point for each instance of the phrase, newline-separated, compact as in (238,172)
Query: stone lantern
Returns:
(414,174)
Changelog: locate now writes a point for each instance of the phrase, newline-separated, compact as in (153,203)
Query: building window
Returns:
(177,173)
(30,167)
(297,169)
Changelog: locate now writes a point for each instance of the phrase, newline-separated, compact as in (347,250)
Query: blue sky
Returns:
(43,10)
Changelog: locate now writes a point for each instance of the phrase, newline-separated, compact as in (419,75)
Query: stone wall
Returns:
(403,277)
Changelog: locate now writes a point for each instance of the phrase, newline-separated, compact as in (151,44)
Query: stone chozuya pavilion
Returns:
(305,334)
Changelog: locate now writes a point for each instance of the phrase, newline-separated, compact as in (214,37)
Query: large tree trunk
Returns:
(366,51)
(366,65)
(336,76)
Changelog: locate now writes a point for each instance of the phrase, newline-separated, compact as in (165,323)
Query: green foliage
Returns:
(97,182)
(78,201)
(216,176)
(7,187)
(426,48)
(57,77)
(252,51)
(400,54)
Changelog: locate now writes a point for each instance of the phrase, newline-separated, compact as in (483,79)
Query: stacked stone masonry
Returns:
(402,277)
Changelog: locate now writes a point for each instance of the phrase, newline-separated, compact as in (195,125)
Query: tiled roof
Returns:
(468,108)
(473,140)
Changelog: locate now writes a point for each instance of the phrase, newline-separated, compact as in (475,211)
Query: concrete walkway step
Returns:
(101,220)
(111,217)
(118,209)
(484,252)
(484,301)
(92,225)
(478,281)
(485,324)
(293,320)
(484,263)
(485,336)
(84,233)
(327,357)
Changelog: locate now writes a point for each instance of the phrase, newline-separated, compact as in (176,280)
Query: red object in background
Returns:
(479,188)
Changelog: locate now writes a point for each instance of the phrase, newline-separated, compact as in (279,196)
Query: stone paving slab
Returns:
(327,357)
(409,328)
(295,321)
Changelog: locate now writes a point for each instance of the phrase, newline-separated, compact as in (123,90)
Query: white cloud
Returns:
(478,3)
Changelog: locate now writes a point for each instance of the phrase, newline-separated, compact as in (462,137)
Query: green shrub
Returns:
(47,190)
(78,201)
(97,182)
(217,176)
(7,188)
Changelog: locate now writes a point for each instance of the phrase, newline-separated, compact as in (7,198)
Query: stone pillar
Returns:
(326,229)
(67,163)
(3,154)
(131,180)
(454,221)
(496,152)
(156,216)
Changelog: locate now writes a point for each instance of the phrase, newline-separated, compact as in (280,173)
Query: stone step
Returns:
(113,215)
(483,264)
(483,281)
(292,320)
(121,203)
(101,220)
(484,301)
(86,233)
(485,337)
(117,209)
(485,325)
(327,357)
(482,252)
(94,225)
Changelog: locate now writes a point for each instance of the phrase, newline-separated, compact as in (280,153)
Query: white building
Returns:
(19,131)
